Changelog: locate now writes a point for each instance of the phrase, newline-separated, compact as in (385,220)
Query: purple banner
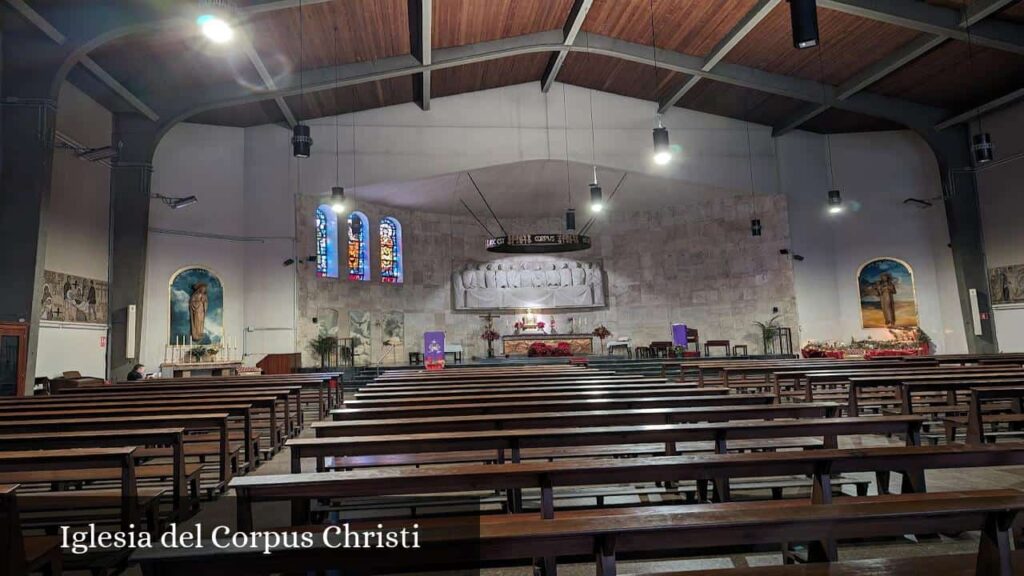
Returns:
(679,335)
(433,350)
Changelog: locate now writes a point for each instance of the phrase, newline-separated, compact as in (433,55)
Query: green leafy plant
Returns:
(769,330)
(323,346)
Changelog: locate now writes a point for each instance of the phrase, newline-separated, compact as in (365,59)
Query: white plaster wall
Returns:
(875,172)
(206,161)
(1002,205)
(77,224)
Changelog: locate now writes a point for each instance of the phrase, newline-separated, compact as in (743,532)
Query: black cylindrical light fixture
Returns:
(982,147)
(596,198)
(337,199)
(804,16)
(662,152)
(570,220)
(755,227)
(835,202)
(301,141)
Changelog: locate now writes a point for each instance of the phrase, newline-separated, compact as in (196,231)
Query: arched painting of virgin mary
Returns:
(197,307)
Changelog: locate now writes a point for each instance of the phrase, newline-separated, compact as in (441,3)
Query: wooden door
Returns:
(13,358)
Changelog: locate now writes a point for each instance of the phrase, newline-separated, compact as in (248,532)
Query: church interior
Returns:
(512,287)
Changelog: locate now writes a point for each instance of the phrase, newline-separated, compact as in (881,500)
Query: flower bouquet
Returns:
(490,335)
(601,332)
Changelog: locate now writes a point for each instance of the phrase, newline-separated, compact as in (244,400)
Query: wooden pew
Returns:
(510,381)
(180,473)
(606,537)
(513,441)
(289,396)
(547,477)
(859,383)
(975,417)
(634,417)
(538,397)
(472,409)
(532,389)
(202,421)
(244,411)
(42,465)
(326,396)
(267,404)
(20,554)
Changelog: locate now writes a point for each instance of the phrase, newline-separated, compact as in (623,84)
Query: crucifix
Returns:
(489,334)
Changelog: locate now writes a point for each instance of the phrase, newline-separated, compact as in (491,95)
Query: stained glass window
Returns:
(326,242)
(358,247)
(390,251)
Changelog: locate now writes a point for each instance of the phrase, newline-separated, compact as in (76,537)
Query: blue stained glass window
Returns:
(358,247)
(391,265)
(326,242)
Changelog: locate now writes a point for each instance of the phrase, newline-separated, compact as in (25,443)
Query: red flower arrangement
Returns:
(542,350)
(541,325)
(490,335)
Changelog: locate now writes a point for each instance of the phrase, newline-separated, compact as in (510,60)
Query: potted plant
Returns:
(601,332)
(198,353)
(490,335)
(323,346)
(769,330)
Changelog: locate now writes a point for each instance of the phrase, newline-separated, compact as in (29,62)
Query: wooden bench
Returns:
(504,391)
(606,537)
(634,417)
(46,464)
(513,441)
(471,409)
(859,383)
(205,421)
(243,411)
(547,477)
(20,554)
(182,475)
(539,397)
(975,417)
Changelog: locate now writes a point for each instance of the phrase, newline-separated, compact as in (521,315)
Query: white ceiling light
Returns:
(215,28)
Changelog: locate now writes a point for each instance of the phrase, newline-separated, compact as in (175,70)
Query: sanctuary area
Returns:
(512,287)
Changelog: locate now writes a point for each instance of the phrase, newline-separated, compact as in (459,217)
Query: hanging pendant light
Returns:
(835,202)
(596,196)
(982,147)
(302,142)
(662,150)
(981,142)
(803,15)
(570,221)
(337,199)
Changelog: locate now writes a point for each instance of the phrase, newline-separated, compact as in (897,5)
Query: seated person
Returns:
(136,373)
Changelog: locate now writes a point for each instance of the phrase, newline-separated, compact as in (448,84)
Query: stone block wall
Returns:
(695,263)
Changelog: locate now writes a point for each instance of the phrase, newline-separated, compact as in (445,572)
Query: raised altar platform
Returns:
(188,369)
(519,345)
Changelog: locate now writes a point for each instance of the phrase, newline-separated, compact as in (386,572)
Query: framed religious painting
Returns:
(196,306)
(887,295)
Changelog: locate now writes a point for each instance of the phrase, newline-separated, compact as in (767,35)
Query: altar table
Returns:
(519,345)
(189,369)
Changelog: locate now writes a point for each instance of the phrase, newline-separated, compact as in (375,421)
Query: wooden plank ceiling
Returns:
(160,65)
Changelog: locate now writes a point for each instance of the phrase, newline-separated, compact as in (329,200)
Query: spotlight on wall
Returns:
(803,15)
(982,147)
(570,220)
(596,198)
(176,202)
(288,262)
(786,252)
(662,150)
(798,258)
(301,141)
(216,28)
(835,202)
(337,199)
(755,227)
